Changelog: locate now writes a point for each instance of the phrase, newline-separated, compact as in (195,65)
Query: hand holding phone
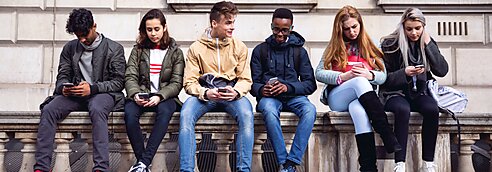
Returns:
(144,96)
(68,84)
(419,66)
(271,81)
(223,90)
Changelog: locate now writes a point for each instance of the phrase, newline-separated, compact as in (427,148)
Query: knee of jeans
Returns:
(186,122)
(246,119)
(97,114)
(130,118)
(309,112)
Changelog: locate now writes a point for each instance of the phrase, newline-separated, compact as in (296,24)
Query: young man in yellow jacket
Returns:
(217,76)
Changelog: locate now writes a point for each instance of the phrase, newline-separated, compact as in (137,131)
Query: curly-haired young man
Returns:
(90,77)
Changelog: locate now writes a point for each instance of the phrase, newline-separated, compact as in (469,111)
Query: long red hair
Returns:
(336,52)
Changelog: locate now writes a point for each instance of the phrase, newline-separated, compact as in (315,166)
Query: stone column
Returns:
(88,138)
(29,141)
(256,164)
(3,139)
(465,158)
(127,156)
(62,161)
(159,161)
(223,141)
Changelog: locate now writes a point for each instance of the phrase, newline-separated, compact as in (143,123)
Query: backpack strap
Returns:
(264,56)
(297,58)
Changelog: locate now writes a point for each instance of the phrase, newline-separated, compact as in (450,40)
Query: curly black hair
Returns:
(80,21)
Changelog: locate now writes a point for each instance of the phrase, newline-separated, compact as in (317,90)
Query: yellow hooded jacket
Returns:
(227,58)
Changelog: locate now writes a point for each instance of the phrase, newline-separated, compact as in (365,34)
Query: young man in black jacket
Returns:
(282,78)
(90,77)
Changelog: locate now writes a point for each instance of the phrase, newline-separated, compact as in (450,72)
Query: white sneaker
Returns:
(139,167)
(399,167)
(428,167)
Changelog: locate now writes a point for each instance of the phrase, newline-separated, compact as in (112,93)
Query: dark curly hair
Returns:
(80,20)
(226,8)
(143,40)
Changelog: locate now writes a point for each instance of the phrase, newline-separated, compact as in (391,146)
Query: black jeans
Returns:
(164,110)
(427,107)
(99,106)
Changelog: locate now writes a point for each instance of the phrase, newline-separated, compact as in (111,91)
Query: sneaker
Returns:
(139,167)
(399,167)
(428,167)
(289,169)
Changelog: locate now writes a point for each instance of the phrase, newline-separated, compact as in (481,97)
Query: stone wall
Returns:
(33,34)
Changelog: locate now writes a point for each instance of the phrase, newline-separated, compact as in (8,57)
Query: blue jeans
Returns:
(305,110)
(193,109)
(345,98)
(164,111)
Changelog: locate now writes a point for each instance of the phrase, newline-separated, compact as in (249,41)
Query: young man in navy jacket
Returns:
(282,78)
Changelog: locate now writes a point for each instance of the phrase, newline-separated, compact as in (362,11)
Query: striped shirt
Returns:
(156,58)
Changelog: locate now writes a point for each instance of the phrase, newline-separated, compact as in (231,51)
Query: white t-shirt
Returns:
(156,58)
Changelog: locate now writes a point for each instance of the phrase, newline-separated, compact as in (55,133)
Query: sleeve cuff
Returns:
(94,89)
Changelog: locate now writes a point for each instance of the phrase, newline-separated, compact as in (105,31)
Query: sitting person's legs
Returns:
(192,110)
(270,110)
(242,111)
(56,110)
(306,112)
(99,106)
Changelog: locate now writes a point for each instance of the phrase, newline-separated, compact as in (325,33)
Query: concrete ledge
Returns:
(215,121)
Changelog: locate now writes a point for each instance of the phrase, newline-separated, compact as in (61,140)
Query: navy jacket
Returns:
(280,63)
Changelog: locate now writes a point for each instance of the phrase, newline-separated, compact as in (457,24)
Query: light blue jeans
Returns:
(193,109)
(345,98)
(270,108)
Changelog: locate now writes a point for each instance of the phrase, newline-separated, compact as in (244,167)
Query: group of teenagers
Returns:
(217,73)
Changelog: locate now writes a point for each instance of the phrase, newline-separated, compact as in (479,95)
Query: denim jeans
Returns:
(164,110)
(305,110)
(193,109)
(345,98)
(99,106)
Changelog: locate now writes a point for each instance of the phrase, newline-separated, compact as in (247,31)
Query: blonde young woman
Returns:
(351,67)
(411,57)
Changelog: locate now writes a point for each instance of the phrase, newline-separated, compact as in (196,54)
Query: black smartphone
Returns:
(68,84)
(145,96)
(223,90)
(419,66)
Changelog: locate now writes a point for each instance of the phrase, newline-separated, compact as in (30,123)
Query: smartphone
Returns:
(419,66)
(271,81)
(144,96)
(223,90)
(68,84)
(359,64)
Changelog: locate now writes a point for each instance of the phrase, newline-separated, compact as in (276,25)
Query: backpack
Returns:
(265,56)
(447,97)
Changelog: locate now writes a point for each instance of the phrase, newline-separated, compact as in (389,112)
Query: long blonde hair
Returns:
(336,52)
(398,36)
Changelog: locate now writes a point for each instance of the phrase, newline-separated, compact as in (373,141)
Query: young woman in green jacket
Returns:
(154,78)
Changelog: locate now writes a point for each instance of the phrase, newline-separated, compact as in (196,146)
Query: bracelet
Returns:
(339,80)
(373,76)
(205,94)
